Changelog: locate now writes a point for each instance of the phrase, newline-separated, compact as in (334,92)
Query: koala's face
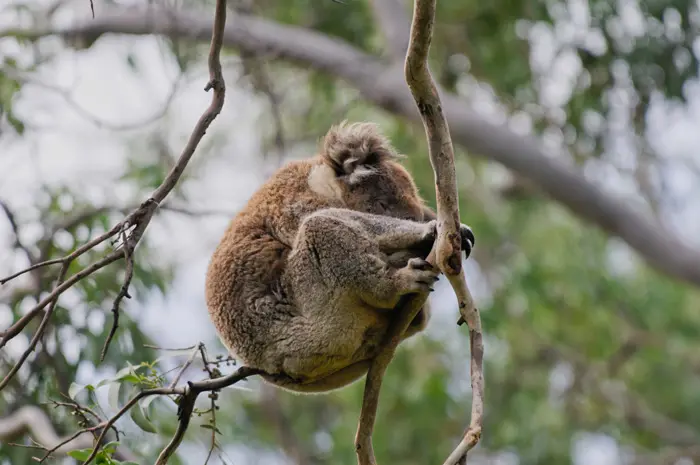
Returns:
(383,189)
(361,168)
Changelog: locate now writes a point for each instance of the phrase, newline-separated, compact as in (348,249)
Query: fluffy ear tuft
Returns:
(348,146)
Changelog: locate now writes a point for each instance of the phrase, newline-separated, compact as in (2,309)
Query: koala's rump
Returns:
(244,295)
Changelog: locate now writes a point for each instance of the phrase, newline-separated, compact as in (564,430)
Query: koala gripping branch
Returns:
(446,253)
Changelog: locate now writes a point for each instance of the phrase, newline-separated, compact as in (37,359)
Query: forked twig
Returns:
(446,252)
(136,221)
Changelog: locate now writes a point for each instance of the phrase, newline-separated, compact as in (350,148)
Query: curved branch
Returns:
(383,85)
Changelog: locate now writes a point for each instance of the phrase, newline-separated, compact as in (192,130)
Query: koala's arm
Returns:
(390,234)
(349,252)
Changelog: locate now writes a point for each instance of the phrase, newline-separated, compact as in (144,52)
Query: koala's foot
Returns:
(417,277)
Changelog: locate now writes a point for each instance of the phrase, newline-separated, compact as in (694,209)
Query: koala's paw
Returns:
(418,276)
(468,239)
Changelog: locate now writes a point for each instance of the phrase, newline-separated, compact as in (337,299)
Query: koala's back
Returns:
(247,299)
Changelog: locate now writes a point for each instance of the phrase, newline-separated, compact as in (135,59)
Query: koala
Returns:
(304,283)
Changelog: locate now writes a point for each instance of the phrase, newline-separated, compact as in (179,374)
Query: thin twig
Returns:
(109,423)
(138,219)
(48,453)
(16,328)
(213,428)
(37,335)
(15,231)
(123,292)
(185,366)
(186,405)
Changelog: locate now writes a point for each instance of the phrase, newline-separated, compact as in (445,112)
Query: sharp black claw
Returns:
(467,250)
(468,239)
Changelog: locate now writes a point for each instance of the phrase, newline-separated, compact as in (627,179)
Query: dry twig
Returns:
(134,225)
(446,252)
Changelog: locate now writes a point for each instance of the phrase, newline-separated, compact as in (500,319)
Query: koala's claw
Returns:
(468,239)
(418,276)
(420,264)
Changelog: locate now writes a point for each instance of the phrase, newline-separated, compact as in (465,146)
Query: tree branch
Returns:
(137,221)
(383,84)
(446,251)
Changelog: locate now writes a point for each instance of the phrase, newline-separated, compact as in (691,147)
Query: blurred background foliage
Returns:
(582,339)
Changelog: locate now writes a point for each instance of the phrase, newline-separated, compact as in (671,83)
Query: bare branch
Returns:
(382,84)
(186,365)
(446,252)
(17,327)
(37,335)
(123,292)
(186,405)
(105,426)
(35,421)
(15,231)
(68,258)
(138,220)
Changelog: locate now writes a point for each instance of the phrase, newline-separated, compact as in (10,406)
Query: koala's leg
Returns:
(333,381)
(345,251)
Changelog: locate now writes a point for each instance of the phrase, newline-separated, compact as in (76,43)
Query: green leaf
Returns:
(111,447)
(80,454)
(140,419)
(113,395)
(75,389)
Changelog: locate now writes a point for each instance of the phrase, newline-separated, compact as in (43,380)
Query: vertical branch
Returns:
(448,242)
(446,252)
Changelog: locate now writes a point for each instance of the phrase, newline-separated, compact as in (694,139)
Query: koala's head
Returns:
(359,166)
